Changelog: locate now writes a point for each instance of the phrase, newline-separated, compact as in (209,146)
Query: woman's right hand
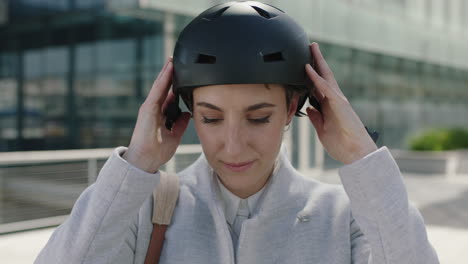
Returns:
(152,144)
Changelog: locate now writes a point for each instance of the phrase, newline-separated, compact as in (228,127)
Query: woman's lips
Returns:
(238,167)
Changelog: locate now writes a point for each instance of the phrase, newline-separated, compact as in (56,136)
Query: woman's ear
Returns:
(292,107)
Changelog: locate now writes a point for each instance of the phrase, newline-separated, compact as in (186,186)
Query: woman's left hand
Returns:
(339,128)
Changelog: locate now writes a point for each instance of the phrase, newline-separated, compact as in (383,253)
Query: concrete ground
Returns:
(443,202)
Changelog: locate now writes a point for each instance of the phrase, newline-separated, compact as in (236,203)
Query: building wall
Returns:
(73,74)
(428,30)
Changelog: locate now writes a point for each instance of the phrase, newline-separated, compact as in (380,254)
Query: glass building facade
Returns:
(73,74)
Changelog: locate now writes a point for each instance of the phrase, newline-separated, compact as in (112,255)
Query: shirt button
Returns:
(303,218)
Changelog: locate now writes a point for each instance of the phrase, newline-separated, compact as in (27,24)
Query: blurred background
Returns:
(73,74)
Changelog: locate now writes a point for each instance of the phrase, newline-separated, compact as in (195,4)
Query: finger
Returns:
(320,63)
(163,68)
(320,84)
(323,69)
(318,95)
(153,94)
(316,118)
(161,85)
(169,99)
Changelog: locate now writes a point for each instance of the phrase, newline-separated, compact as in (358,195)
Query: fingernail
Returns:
(171,58)
(308,66)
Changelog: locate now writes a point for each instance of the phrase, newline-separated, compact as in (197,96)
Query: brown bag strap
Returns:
(164,200)
(156,244)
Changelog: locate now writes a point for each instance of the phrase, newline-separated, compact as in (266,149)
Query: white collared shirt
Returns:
(231,202)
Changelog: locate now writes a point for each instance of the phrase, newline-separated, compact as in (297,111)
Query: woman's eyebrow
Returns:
(250,108)
(208,105)
(258,106)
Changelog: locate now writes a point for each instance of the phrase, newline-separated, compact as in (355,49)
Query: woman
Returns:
(242,201)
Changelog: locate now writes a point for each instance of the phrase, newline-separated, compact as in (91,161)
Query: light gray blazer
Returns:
(299,220)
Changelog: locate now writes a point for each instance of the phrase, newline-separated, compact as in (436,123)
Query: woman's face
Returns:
(240,127)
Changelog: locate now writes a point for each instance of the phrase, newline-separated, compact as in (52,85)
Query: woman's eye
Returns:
(262,120)
(210,120)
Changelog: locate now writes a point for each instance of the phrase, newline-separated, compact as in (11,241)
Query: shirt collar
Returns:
(231,201)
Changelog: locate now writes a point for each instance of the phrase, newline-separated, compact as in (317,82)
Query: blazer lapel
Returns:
(267,235)
(198,177)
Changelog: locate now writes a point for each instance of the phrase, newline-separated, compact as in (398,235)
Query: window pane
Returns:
(56,59)
(8,132)
(153,52)
(115,54)
(363,75)
(54,111)
(33,63)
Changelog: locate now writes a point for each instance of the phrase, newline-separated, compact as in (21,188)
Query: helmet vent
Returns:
(263,13)
(206,59)
(272,57)
(216,14)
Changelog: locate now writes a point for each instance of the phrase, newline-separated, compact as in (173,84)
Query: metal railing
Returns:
(39,188)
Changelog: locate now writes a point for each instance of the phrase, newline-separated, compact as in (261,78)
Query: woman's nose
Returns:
(234,140)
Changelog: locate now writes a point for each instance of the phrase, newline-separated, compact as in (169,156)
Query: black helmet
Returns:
(241,42)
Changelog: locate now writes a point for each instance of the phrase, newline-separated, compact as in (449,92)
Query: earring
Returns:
(287,127)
